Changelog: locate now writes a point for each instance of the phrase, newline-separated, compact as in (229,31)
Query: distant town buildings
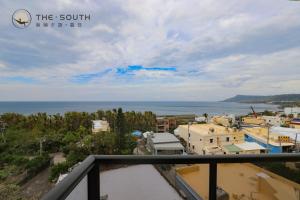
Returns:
(295,123)
(200,119)
(227,121)
(292,133)
(165,124)
(274,120)
(164,144)
(236,181)
(251,120)
(208,138)
(274,142)
(100,126)
(292,111)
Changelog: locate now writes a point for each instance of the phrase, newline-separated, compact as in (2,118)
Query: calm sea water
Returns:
(160,108)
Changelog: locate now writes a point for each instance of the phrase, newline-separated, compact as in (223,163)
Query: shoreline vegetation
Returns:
(29,140)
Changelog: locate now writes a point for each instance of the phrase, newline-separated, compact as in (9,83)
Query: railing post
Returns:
(212,181)
(94,183)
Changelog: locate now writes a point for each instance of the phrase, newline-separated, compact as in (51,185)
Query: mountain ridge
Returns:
(264,99)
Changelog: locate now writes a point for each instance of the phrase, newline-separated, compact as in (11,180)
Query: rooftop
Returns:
(244,181)
(232,148)
(164,138)
(169,146)
(136,182)
(296,121)
(261,134)
(291,132)
(99,123)
(248,146)
(204,129)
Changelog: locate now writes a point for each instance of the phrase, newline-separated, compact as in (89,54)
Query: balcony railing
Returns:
(89,170)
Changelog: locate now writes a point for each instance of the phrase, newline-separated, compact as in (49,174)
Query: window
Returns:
(227,139)
(193,146)
(211,140)
(200,139)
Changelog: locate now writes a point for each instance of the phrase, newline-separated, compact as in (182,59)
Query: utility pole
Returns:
(189,135)
(268,127)
(41,145)
(296,147)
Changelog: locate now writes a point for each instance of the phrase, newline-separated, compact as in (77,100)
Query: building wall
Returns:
(257,151)
(165,124)
(168,152)
(274,120)
(198,142)
(297,126)
(253,120)
(289,110)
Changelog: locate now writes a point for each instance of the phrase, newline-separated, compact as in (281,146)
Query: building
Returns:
(200,119)
(164,144)
(100,126)
(274,142)
(227,121)
(236,181)
(253,120)
(274,120)
(295,123)
(201,137)
(292,133)
(244,148)
(165,124)
(292,111)
(251,148)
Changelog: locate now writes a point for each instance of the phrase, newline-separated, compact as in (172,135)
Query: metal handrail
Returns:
(90,167)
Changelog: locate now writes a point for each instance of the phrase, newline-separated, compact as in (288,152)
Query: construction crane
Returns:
(254,113)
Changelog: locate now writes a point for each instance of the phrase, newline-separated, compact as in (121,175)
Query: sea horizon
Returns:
(157,107)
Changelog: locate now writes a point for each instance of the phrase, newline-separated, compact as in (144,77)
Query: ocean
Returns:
(159,108)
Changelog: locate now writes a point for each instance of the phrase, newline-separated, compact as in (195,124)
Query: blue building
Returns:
(271,148)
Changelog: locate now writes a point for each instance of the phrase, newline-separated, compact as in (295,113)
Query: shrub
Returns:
(58,169)
(37,164)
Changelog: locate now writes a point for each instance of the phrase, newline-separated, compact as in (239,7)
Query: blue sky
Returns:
(152,50)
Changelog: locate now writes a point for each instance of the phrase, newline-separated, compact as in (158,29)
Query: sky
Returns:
(151,50)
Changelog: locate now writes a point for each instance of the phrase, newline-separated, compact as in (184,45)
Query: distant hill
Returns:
(264,99)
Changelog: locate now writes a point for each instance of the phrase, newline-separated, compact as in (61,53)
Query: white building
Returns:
(292,133)
(164,144)
(100,126)
(200,119)
(251,148)
(206,138)
(274,120)
(292,110)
